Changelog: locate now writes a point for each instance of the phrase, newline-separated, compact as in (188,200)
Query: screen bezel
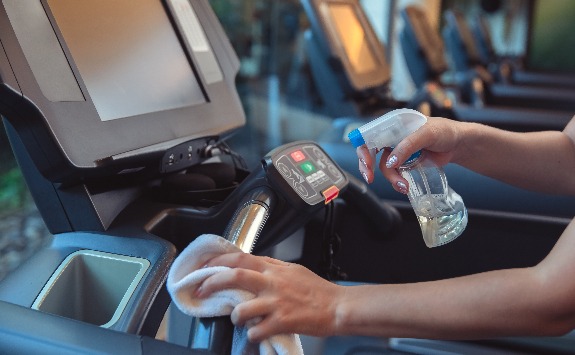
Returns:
(381,75)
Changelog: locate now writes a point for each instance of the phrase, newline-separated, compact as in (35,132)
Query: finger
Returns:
(263,330)
(245,261)
(239,260)
(398,183)
(247,312)
(384,156)
(366,157)
(366,163)
(244,279)
(273,261)
(252,322)
(366,173)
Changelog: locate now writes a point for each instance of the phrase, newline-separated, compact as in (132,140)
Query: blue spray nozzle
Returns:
(356,138)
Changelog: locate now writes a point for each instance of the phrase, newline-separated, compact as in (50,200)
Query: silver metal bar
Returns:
(245,226)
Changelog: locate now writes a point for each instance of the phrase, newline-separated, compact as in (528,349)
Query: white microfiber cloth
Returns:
(187,273)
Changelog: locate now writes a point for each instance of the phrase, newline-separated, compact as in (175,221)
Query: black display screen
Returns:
(110,42)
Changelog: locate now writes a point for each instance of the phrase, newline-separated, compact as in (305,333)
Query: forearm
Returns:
(540,161)
(528,301)
(479,306)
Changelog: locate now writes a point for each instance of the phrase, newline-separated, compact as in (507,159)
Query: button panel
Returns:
(310,172)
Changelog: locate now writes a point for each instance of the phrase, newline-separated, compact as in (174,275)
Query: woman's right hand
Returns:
(441,137)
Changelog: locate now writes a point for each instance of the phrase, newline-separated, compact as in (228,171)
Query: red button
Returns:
(297,156)
(330,193)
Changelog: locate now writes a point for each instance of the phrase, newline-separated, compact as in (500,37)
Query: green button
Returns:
(307,167)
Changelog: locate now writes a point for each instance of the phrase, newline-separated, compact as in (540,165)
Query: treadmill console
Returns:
(306,172)
(101,88)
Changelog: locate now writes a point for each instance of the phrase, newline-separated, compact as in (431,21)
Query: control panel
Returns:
(308,172)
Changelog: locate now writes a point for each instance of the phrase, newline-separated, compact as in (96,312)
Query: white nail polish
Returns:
(402,187)
(391,161)
(365,177)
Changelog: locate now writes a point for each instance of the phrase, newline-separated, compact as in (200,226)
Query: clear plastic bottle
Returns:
(440,211)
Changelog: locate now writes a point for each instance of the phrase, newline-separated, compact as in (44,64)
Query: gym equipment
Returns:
(466,59)
(106,104)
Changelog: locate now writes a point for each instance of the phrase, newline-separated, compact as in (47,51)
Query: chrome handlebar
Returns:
(249,219)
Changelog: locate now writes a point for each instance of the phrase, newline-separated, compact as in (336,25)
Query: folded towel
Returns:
(187,273)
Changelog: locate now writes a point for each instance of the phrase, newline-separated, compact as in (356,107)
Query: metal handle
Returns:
(215,334)
(245,226)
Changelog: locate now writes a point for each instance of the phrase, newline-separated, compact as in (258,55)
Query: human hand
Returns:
(439,136)
(289,298)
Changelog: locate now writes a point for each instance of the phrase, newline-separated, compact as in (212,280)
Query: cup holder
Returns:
(92,286)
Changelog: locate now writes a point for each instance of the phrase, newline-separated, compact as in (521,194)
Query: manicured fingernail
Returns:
(363,162)
(402,187)
(391,161)
(365,177)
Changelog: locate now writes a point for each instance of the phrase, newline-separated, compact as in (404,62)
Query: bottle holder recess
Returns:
(92,286)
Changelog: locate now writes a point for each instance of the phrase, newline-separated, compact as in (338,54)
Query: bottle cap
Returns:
(356,138)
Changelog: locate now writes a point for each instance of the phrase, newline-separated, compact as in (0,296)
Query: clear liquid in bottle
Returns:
(439,209)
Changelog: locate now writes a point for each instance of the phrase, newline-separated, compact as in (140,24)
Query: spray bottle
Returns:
(440,211)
